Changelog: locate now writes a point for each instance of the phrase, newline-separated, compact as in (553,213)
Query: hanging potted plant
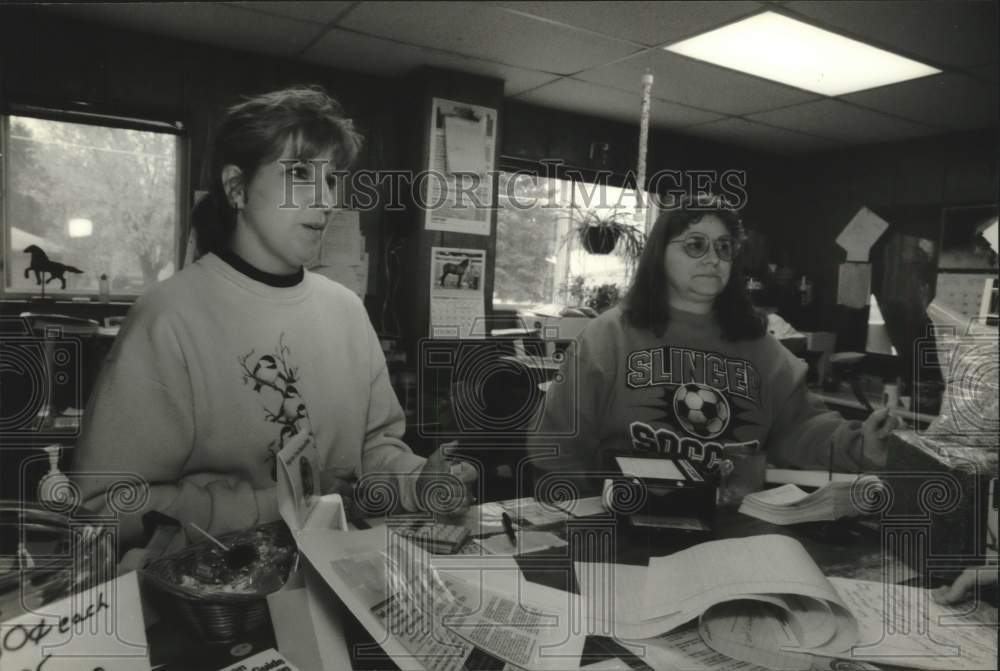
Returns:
(602,234)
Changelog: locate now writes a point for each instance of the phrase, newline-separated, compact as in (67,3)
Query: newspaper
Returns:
(467,612)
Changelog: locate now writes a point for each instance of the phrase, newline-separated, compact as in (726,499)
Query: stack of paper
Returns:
(435,537)
(637,602)
(763,601)
(790,505)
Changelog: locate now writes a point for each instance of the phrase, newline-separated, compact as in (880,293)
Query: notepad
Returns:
(657,469)
(435,537)
(788,504)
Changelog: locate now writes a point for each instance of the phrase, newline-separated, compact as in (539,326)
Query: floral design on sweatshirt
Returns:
(275,379)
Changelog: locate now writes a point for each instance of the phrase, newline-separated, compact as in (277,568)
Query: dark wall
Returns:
(531,134)
(906,183)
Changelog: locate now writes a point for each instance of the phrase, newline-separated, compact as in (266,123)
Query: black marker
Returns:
(508,528)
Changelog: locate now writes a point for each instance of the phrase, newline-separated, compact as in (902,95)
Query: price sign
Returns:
(101,629)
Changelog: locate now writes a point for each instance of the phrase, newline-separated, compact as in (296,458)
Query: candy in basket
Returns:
(222,594)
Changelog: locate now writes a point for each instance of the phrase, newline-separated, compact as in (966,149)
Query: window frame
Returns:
(81,113)
(568,173)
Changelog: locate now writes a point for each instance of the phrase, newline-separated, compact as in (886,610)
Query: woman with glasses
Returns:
(685,368)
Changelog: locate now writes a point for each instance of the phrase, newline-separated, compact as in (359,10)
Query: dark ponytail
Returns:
(214,221)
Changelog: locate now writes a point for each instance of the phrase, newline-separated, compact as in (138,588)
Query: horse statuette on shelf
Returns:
(42,264)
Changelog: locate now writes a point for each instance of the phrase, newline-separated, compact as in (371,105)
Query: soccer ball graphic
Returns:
(701,410)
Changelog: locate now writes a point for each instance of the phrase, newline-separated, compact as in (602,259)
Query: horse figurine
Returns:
(41,263)
(457,269)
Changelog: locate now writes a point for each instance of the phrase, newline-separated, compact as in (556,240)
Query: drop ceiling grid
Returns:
(487,32)
(959,34)
(690,82)
(209,23)
(838,120)
(347,49)
(320,13)
(645,23)
(760,136)
(947,101)
(589,58)
(570,94)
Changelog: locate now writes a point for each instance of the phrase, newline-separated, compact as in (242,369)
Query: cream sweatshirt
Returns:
(212,372)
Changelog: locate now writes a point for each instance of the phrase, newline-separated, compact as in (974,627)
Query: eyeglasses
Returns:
(696,246)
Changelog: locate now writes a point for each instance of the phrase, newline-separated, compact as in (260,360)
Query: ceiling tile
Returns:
(947,100)
(951,33)
(486,32)
(208,23)
(842,121)
(690,82)
(316,12)
(648,23)
(345,49)
(760,137)
(987,73)
(600,101)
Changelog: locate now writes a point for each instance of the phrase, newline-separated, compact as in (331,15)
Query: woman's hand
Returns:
(983,575)
(875,433)
(444,487)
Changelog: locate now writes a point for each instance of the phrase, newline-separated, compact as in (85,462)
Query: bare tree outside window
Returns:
(100,199)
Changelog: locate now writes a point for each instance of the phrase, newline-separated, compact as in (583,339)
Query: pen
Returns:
(831,462)
(508,528)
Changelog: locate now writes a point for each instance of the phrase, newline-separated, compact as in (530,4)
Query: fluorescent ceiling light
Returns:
(775,47)
(80,228)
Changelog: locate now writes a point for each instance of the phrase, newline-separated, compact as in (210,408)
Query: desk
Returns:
(846,549)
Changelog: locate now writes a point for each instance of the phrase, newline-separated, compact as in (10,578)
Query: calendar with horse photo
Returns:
(457,269)
(457,292)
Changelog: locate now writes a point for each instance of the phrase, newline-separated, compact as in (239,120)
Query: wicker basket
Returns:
(222,616)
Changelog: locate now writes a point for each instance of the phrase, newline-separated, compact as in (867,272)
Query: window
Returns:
(100,195)
(539,259)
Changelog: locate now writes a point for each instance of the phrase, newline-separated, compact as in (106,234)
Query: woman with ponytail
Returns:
(244,353)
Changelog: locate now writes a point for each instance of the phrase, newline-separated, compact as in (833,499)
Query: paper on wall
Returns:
(457,296)
(101,628)
(990,236)
(340,255)
(854,285)
(462,140)
(861,233)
